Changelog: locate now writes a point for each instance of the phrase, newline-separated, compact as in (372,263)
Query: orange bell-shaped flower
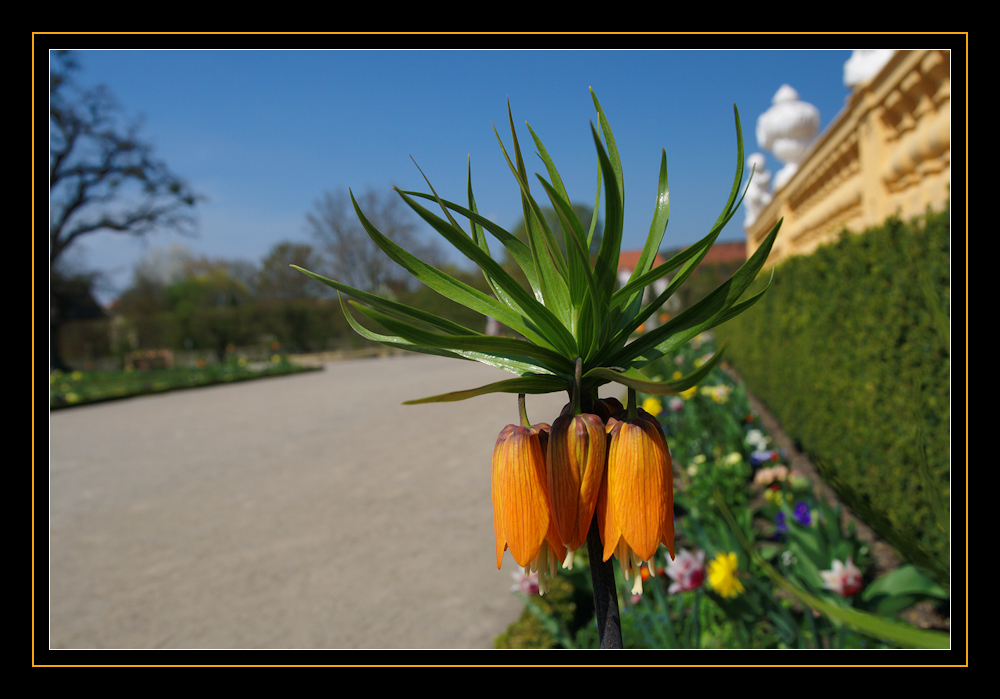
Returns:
(521,518)
(636,511)
(575,466)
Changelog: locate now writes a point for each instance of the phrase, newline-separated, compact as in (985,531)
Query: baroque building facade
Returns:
(888,152)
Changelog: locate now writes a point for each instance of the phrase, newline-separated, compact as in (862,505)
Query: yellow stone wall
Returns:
(887,152)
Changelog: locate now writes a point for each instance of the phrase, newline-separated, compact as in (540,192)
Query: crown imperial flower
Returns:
(521,517)
(636,510)
(575,467)
(575,329)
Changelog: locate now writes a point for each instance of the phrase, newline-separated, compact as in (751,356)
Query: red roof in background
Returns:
(735,251)
(628,258)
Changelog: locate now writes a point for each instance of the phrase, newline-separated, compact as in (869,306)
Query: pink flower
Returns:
(687,571)
(526,584)
(845,580)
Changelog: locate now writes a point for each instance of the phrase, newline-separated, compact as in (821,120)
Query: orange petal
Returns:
(640,485)
(575,466)
(520,502)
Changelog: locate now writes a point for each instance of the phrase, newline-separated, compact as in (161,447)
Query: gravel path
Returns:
(309,511)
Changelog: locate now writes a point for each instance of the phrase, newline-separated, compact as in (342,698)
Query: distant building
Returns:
(726,253)
(888,152)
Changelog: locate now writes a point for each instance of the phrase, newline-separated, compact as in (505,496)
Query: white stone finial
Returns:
(864,64)
(786,129)
(757,196)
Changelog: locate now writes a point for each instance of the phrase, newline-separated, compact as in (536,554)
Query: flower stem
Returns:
(602,574)
(522,411)
(575,396)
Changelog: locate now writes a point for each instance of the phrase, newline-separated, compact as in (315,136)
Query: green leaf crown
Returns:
(573,309)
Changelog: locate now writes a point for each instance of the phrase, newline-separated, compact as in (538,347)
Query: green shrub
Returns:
(850,350)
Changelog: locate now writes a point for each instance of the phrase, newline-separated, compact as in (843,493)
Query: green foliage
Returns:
(850,351)
(583,213)
(571,311)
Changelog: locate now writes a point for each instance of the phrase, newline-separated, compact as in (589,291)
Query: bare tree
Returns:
(102,178)
(352,257)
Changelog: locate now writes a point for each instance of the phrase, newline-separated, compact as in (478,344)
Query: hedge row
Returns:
(850,350)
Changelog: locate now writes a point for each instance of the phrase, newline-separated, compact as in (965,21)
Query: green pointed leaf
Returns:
(390,340)
(661,215)
(506,363)
(615,161)
(475,230)
(685,256)
(518,250)
(729,209)
(479,237)
(573,235)
(524,384)
(528,202)
(554,331)
(550,166)
(454,234)
(546,255)
(597,207)
(504,347)
(703,315)
(393,307)
(462,293)
(583,289)
(640,382)
(606,265)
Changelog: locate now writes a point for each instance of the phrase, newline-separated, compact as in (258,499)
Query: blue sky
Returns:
(263,133)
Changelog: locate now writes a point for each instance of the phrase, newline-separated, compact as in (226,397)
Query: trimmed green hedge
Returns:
(849,348)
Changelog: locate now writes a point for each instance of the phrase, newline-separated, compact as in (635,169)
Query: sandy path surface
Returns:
(310,511)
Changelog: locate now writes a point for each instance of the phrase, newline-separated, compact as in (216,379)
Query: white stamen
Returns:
(568,562)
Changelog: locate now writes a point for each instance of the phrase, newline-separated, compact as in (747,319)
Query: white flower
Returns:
(845,580)
(757,439)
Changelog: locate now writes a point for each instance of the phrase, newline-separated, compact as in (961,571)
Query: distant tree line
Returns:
(181,301)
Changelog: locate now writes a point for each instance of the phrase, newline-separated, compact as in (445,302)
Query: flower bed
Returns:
(762,562)
(86,387)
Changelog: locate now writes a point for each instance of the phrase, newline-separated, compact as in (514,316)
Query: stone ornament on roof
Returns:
(758,193)
(786,129)
(864,64)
